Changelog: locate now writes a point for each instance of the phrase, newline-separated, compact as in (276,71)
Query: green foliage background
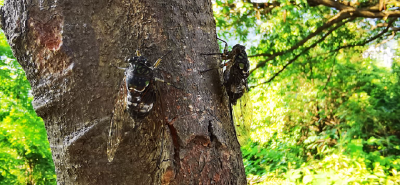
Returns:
(331,117)
(25,156)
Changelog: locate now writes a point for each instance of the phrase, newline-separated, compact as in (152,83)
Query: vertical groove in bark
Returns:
(66,48)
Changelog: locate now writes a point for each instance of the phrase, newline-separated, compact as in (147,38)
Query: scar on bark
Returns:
(47,37)
(49,34)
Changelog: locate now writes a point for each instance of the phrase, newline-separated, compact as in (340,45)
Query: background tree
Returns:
(66,49)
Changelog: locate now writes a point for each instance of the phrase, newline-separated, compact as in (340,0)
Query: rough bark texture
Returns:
(66,48)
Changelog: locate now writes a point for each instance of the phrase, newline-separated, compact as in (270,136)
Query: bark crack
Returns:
(175,141)
(210,131)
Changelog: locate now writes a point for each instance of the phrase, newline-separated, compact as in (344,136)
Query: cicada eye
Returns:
(140,70)
(241,65)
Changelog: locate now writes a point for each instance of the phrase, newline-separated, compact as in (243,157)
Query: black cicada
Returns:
(136,96)
(236,72)
(236,83)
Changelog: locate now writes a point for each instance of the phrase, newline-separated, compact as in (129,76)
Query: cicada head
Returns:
(138,74)
(240,59)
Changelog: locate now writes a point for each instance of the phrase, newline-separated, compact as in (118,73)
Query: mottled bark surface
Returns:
(66,48)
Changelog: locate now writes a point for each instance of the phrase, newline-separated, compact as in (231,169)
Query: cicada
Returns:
(235,82)
(136,96)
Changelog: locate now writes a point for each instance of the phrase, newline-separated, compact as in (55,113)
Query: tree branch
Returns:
(305,50)
(368,12)
(267,7)
(260,55)
(386,40)
(337,18)
(330,74)
(389,24)
(385,25)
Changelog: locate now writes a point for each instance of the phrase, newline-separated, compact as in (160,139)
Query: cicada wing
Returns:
(158,100)
(243,117)
(117,121)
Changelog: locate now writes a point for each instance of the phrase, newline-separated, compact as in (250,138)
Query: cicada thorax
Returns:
(236,73)
(141,94)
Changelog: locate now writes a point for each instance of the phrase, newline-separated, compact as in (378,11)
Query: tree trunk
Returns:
(66,49)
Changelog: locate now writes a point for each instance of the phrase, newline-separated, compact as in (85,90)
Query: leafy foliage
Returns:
(324,113)
(25,156)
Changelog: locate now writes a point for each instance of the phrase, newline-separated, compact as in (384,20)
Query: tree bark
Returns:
(66,49)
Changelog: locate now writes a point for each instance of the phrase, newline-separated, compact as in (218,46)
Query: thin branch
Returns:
(387,40)
(260,55)
(305,50)
(390,23)
(337,18)
(267,7)
(330,74)
(336,50)
(368,12)
(379,25)
(385,25)
(395,29)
